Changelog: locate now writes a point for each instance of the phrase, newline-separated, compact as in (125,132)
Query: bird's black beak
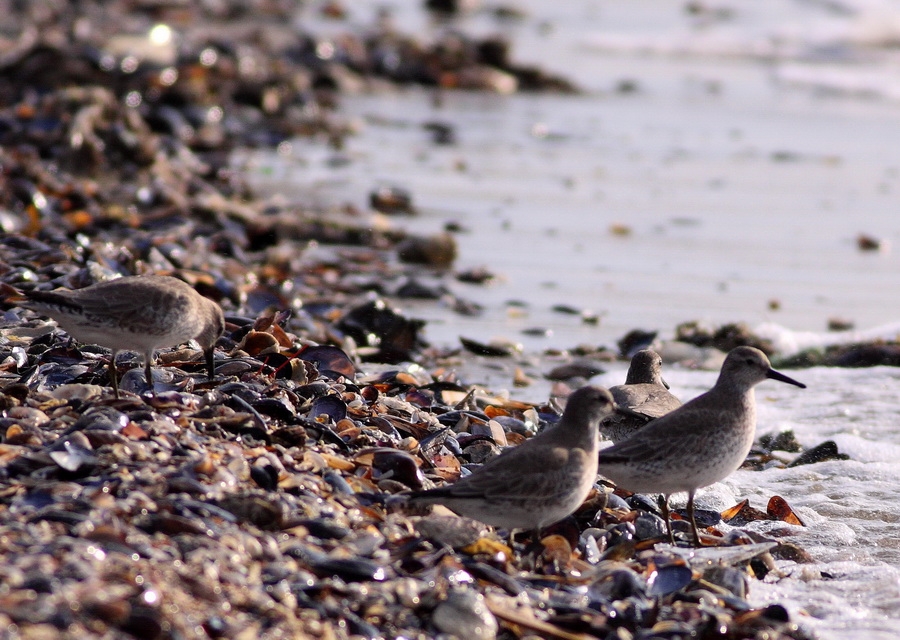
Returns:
(775,375)
(664,383)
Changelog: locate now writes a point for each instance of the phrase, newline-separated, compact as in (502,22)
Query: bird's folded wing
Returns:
(530,474)
(659,439)
(140,309)
(50,299)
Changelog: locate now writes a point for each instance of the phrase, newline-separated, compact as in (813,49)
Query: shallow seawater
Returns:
(852,590)
(714,190)
(643,222)
(730,185)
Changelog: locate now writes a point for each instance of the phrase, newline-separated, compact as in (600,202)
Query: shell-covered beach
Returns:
(425,229)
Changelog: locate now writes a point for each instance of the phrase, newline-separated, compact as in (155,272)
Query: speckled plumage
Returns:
(134,313)
(700,443)
(644,392)
(542,480)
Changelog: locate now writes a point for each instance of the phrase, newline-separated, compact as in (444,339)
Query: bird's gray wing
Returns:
(141,309)
(664,436)
(650,400)
(529,473)
(657,402)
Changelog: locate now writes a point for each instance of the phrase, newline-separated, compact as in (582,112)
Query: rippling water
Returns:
(756,148)
(850,508)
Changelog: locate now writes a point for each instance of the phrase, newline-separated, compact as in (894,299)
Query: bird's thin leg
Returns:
(148,360)
(690,508)
(113,373)
(210,362)
(664,507)
(533,549)
(511,539)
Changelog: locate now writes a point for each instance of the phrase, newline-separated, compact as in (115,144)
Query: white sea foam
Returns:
(789,342)
(848,507)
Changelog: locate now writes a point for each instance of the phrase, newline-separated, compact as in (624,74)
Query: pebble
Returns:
(464,614)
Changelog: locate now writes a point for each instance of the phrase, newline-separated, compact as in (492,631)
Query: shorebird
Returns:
(134,313)
(644,392)
(699,443)
(542,480)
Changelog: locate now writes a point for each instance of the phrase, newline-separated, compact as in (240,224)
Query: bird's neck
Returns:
(585,437)
(723,388)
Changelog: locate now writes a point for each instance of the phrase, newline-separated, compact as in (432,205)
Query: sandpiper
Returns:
(542,480)
(644,392)
(134,313)
(700,443)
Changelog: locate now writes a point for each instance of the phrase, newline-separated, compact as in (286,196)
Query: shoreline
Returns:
(262,503)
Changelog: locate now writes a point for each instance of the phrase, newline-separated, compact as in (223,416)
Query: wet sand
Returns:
(648,209)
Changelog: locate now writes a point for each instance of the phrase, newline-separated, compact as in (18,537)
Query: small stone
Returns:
(828,450)
(578,369)
(453,531)
(648,526)
(465,614)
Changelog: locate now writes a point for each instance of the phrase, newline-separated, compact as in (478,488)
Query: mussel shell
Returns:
(324,529)
(398,465)
(487,350)
(465,614)
(668,579)
(452,418)
(730,578)
(331,406)
(349,569)
(279,363)
(375,324)
(617,584)
(275,408)
(266,477)
(259,511)
(648,526)
(102,418)
(71,456)
(432,443)
(331,361)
